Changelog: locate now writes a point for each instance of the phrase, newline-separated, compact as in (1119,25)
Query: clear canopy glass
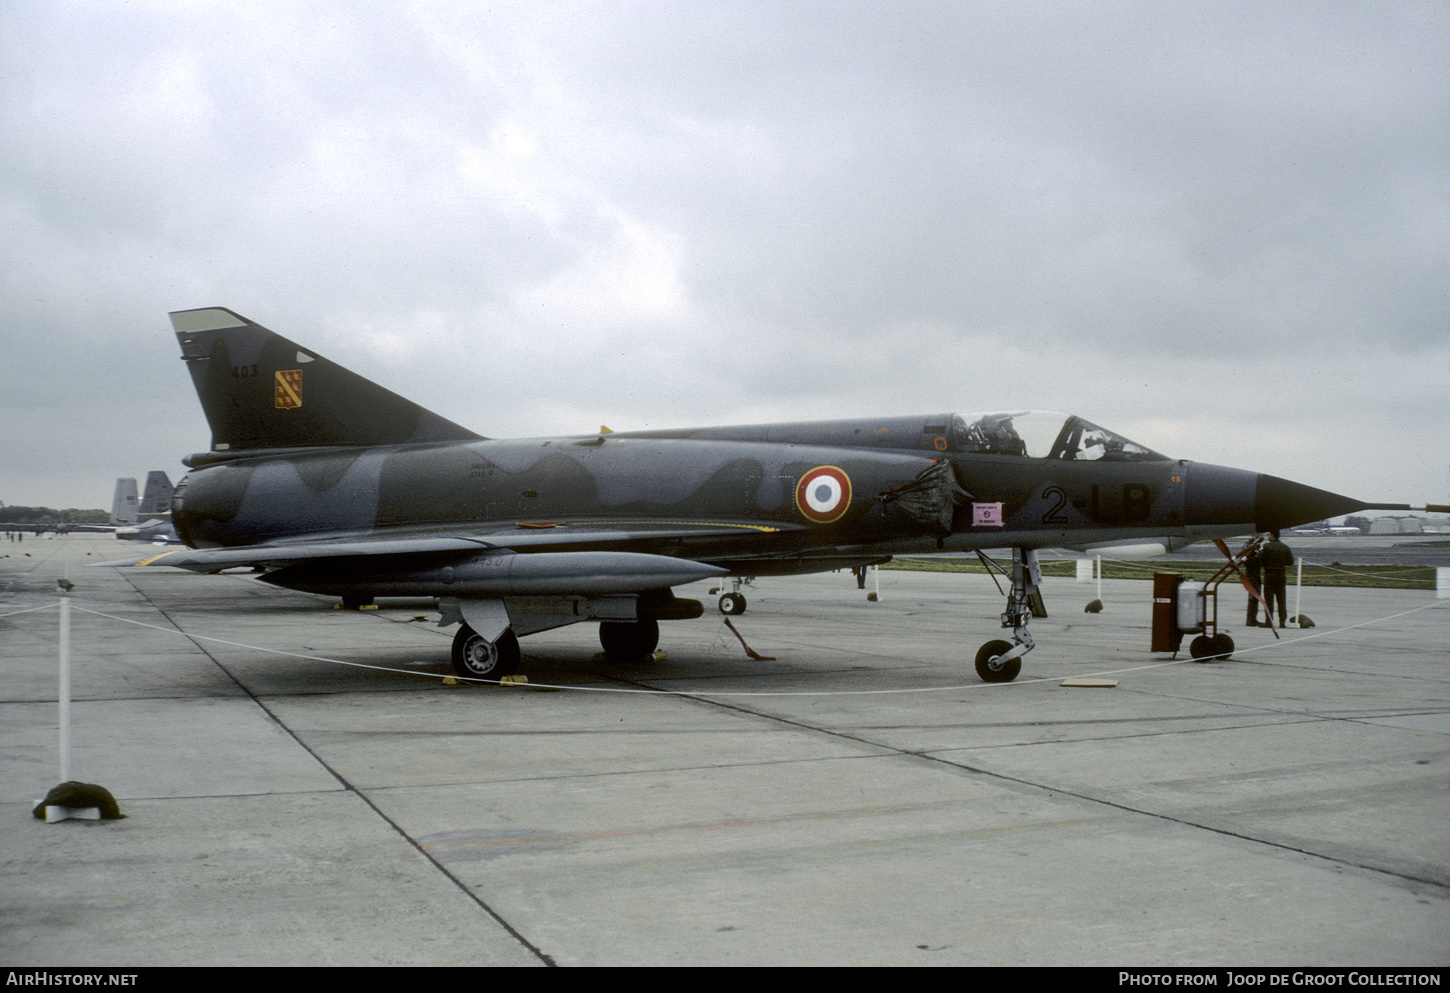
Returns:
(1043,434)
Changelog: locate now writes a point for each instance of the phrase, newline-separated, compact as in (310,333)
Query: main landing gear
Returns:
(475,657)
(629,640)
(486,646)
(1000,661)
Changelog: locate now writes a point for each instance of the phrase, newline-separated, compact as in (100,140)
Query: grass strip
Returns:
(1383,577)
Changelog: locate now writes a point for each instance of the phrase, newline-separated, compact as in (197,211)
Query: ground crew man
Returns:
(1253,569)
(1275,557)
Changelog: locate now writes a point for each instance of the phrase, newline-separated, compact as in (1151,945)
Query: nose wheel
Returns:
(994,665)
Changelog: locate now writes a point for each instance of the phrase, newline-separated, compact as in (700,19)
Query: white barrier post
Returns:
(64,690)
(81,800)
(1299,590)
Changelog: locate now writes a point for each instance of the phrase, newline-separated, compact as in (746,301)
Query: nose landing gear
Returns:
(1000,661)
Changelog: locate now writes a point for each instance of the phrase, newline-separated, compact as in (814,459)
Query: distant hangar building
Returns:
(1395,525)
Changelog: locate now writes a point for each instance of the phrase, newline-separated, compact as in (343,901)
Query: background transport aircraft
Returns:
(146,519)
(125,505)
(332,484)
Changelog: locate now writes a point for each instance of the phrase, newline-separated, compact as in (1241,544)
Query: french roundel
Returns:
(823,494)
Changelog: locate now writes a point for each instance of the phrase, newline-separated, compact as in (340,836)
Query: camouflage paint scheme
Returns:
(335,485)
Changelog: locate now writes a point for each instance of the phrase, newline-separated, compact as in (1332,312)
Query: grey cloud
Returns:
(531,216)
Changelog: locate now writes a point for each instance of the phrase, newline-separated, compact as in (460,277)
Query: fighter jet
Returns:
(329,483)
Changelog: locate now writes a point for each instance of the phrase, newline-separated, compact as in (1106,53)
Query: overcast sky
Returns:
(1220,229)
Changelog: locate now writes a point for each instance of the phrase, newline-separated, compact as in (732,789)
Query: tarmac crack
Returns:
(413,843)
(1407,875)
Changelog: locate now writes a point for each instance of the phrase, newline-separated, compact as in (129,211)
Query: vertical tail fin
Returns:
(123,504)
(156,498)
(260,390)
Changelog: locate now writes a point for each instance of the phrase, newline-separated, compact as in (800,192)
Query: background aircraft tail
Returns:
(123,504)
(261,391)
(156,499)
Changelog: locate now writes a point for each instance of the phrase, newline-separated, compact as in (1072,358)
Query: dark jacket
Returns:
(1253,563)
(1275,558)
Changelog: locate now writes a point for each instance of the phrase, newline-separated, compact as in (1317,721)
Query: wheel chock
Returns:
(519,680)
(1104,683)
(451,681)
(54,814)
(658,655)
(78,801)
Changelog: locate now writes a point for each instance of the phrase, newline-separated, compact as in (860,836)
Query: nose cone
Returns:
(1218,496)
(1281,503)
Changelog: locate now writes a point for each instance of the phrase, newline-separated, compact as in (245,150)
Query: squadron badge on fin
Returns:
(289,388)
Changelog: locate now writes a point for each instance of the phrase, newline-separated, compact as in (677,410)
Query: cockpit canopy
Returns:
(1029,434)
(1043,434)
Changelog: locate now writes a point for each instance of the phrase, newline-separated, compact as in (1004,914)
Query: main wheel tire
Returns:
(629,639)
(475,657)
(732,603)
(988,667)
